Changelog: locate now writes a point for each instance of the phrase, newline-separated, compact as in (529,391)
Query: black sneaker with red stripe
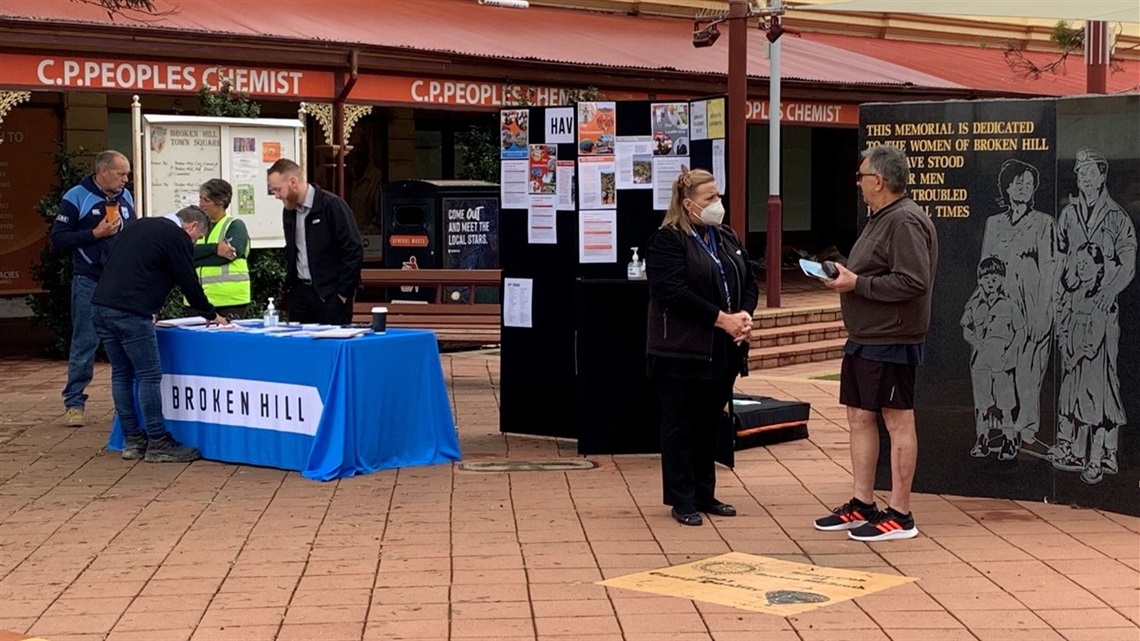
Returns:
(848,516)
(886,526)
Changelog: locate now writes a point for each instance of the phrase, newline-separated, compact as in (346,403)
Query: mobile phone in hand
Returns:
(818,270)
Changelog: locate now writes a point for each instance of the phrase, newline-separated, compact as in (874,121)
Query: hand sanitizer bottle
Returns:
(270,314)
(636,268)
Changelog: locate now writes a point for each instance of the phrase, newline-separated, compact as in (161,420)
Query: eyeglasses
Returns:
(859,175)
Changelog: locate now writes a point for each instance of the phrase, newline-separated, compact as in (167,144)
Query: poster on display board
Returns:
(597,128)
(670,124)
(513,133)
(543,169)
(181,152)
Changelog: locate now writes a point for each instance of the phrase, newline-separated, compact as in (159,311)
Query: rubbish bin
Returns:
(441,224)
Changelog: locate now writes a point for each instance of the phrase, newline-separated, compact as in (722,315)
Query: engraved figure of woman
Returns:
(1024,240)
(1093,218)
(1088,405)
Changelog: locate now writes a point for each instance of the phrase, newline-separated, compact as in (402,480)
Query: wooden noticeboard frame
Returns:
(175,154)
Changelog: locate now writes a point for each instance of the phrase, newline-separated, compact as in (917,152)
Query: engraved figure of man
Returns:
(1024,239)
(1093,218)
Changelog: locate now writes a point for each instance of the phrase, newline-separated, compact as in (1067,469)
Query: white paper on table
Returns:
(698,120)
(518,294)
(597,182)
(560,125)
(634,151)
(718,165)
(542,220)
(188,321)
(665,171)
(597,237)
(565,183)
(513,186)
(341,332)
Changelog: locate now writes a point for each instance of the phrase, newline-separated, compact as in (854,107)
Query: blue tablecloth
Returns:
(329,408)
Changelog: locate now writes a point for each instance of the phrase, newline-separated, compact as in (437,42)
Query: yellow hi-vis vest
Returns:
(225,285)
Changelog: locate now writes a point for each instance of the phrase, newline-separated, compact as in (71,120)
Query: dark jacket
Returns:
(80,212)
(335,250)
(895,257)
(686,294)
(150,258)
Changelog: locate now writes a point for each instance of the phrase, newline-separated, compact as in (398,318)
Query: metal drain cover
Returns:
(568,465)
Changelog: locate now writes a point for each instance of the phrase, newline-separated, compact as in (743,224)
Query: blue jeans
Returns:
(133,351)
(81,361)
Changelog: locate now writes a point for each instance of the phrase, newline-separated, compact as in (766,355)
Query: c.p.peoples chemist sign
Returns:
(99,74)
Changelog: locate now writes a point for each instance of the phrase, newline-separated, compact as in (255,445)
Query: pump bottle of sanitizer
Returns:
(636,268)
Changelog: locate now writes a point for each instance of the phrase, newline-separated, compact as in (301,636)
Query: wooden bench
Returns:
(471,322)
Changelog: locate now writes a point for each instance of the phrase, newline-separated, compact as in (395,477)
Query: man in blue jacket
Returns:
(89,217)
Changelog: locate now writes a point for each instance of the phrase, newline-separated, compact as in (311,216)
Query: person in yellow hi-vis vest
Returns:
(221,256)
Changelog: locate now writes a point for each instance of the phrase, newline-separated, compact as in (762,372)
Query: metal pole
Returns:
(1098,51)
(775,249)
(737,110)
(136,156)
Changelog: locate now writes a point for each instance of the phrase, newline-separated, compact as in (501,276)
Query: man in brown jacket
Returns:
(885,290)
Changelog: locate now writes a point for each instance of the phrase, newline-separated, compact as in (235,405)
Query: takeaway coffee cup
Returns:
(379,319)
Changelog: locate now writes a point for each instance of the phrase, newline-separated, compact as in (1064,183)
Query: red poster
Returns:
(27,173)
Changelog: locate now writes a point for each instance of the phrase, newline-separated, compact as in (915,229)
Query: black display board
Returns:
(1029,379)
(579,371)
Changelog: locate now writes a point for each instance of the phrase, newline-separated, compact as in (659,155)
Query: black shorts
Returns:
(873,385)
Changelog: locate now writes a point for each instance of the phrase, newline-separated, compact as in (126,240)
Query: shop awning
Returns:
(465,27)
(1106,10)
(985,67)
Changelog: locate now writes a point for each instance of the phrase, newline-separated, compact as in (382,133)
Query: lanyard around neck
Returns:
(711,249)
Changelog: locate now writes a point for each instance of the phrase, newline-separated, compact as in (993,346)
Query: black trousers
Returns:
(307,306)
(691,410)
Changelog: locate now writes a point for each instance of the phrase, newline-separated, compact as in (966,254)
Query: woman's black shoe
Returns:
(719,509)
(687,518)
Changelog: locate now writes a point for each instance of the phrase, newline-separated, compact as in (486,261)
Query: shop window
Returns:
(429,155)
(119,133)
(795,178)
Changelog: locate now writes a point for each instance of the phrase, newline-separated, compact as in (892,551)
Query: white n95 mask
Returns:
(713,214)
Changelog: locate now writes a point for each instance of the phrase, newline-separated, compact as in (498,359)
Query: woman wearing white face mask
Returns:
(702,291)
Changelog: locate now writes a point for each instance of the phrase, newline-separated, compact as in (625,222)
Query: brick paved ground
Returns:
(93,547)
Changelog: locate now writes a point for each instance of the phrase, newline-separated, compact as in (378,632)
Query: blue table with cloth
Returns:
(328,408)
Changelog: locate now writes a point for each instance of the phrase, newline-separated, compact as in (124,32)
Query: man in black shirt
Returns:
(323,250)
(150,258)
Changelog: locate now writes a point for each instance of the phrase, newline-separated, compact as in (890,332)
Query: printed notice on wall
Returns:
(718,165)
(566,185)
(635,162)
(665,171)
(560,125)
(182,157)
(714,117)
(699,120)
(542,221)
(597,237)
(597,182)
(517,302)
(513,186)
